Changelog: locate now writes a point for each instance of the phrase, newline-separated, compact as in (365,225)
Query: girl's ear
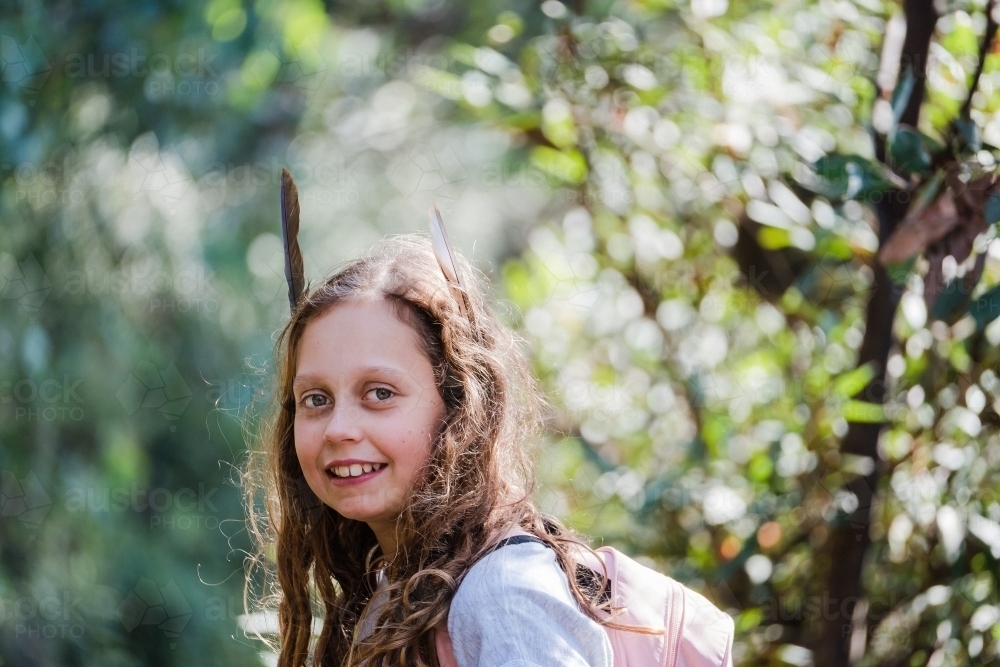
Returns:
(295,273)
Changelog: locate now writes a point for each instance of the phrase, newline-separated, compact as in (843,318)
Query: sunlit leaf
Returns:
(863,412)
(566,166)
(851,383)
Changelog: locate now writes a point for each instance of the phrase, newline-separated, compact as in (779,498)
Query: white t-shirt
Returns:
(514,608)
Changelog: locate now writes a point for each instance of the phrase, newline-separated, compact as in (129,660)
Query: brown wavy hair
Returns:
(475,485)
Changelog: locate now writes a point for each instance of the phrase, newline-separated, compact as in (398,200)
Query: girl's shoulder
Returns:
(514,568)
(516,601)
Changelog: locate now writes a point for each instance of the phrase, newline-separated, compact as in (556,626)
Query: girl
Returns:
(396,460)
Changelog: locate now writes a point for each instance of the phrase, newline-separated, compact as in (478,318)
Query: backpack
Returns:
(697,634)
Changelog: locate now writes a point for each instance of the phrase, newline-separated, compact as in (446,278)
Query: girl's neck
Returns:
(385,533)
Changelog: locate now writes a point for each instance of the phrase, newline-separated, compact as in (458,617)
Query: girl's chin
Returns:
(369,515)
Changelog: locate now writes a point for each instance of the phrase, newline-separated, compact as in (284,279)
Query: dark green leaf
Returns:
(933,146)
(928,191)
(909,153)
(992,209)
(845,177)
(901,97)
(986,308)
(951,298)
(969,135)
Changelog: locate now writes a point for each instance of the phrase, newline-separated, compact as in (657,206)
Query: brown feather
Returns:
(295,273)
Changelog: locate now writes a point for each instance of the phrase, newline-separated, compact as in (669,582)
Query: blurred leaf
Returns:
(845,177)
(566,166)
(773,238)
(852,382)
(438,81)
(901,97)
(992,209)
(949,300)
(749,619)
(863,412)
(968,132)
(761,467)
(986,308)
(908,150)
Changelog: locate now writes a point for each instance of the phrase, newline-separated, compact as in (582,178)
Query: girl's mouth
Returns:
(355,473)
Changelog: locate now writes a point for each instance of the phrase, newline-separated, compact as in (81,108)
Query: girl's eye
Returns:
(309,401)
(381,393)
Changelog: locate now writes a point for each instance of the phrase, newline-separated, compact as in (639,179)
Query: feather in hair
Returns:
(446,258)
(294,268)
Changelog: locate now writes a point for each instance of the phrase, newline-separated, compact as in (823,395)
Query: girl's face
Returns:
(367,409)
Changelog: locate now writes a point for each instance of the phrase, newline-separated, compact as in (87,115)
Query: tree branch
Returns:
(984,51)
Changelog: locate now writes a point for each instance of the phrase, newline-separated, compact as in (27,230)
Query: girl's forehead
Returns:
(356,335)
(355,315)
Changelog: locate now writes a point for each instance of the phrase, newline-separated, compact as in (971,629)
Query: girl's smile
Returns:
(367,408)
(345,473)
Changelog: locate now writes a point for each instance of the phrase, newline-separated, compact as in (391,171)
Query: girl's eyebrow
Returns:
(383,370)
(310,378)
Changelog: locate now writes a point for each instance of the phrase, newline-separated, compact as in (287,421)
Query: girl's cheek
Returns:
(303,440)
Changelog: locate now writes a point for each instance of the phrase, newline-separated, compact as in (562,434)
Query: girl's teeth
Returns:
(356,469)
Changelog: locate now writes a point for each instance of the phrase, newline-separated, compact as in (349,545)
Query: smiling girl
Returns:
(396,459)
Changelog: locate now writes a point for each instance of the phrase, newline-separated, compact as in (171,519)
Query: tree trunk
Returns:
(849,539)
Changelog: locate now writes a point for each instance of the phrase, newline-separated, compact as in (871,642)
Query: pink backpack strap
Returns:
(706,636)
(445,651)
(650,600)
(674,622)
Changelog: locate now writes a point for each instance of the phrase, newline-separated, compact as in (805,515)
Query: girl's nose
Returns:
(344,424)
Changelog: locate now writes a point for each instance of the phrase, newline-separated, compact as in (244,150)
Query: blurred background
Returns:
(751,247)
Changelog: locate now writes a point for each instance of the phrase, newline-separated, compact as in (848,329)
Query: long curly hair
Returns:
(475,485)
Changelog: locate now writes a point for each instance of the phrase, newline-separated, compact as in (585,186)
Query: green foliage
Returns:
(141,284)
(847,177)
(709,383)
(681,193)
